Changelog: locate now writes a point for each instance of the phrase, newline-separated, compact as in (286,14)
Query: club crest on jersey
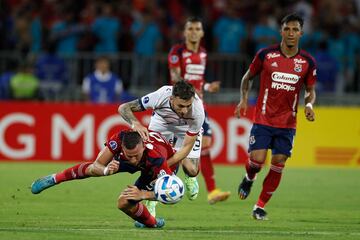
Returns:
(298,67)
(113,145)
(174,59)
(146,99)
(252,140)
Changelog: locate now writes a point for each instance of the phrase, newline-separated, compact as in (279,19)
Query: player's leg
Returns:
(139,212)
(191,165)
(259,141)
(79,171)
(282,146)
(207,169)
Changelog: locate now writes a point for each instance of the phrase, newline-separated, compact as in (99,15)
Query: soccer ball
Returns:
(169,189)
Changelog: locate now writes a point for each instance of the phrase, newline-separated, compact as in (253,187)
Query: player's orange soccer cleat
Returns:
(217,195)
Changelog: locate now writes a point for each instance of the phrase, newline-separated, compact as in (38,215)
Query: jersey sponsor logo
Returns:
(174,59)
(285,77)
(272,55)
(195,69)
(282,86)
(299,60)
(146,100)
(113,145)
(192,77)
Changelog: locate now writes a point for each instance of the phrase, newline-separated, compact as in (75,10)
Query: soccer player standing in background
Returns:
(283,70)
(187,61)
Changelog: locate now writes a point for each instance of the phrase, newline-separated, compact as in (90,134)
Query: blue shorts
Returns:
(206,126)
(279,140)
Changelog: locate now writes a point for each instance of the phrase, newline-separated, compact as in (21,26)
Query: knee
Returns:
(191,170)
(122,203)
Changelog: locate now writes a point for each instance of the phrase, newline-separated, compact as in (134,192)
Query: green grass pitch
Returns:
(309,204)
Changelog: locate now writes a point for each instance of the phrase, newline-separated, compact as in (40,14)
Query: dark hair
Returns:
(193,19)
(183,90)
(129,139)
(291,18)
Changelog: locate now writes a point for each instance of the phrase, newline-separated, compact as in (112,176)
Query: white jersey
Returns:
(165,120)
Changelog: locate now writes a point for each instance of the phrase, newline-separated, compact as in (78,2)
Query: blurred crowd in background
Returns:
(53,29)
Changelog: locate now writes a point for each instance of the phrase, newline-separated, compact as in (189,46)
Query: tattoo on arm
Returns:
(126,111)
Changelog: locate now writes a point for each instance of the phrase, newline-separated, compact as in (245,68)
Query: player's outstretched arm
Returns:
(104,164)
(133,193)
(241,108)
(183,151)
(310,96)
(126,111)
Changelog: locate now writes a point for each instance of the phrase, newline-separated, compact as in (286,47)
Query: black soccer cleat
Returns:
(259,214)
(245,188)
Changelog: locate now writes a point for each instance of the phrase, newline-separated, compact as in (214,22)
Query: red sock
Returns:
(252,168)
(207,169)
(75,172)
(271,182)
(142,215)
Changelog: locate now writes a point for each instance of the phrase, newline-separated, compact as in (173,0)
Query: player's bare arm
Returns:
(184,151)
(310,96)
(104,164)
(133,193)
(175,74)
(241,108)
(126,111)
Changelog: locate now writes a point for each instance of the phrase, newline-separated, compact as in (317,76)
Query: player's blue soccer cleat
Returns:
(160,222)
(191,187)
(245,188)
(42,183)
(259,213)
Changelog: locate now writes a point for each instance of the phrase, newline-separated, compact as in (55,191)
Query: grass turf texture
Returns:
(309,204)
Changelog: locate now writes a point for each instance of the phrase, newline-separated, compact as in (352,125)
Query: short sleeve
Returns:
(152,100)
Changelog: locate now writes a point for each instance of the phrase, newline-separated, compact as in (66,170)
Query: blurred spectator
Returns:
(102,86)
(229,32)
(66,33)
(147,35)
(264,34)
(52,73)
(106,28)
(327,69)
(24,84)
(147,38)
(5,92)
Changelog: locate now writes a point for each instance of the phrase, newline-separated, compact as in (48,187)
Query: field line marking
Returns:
(24,229)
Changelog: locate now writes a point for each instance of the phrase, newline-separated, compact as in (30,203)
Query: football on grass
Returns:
(169,189)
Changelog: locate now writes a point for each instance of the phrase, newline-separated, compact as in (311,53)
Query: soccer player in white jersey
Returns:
(177,113)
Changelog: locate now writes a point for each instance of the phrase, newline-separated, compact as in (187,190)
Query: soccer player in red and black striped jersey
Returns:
(284,69)
(125,151)
(188,61)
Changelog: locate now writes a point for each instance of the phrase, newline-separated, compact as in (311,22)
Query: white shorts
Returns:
(176,135)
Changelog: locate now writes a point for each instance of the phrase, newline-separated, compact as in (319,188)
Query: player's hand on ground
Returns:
(214,87)
(241,109)
(309,114)
(143,131)
(133,193)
